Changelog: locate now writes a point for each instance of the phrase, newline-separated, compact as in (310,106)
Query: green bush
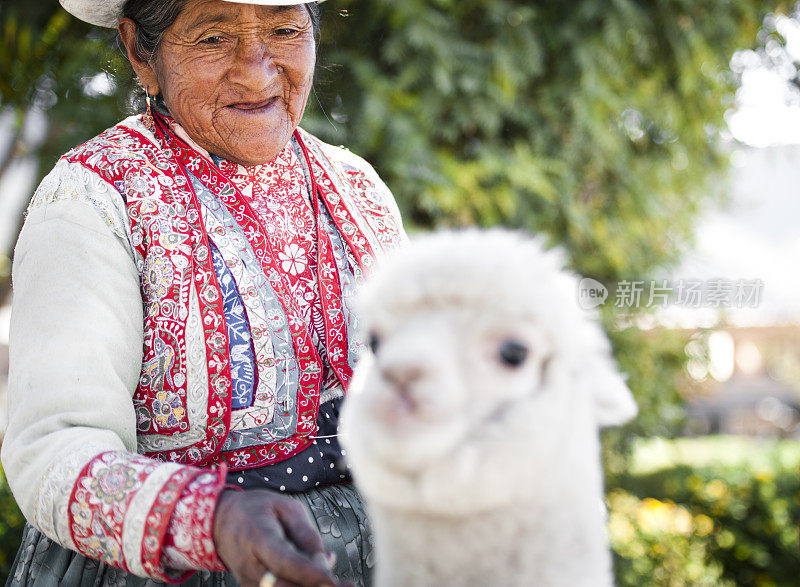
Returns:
(718,520)
(11,524)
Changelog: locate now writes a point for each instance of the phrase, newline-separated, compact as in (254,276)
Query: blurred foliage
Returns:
(772,52)
(726,515)
(653,360)
(11,524)
(53,63)
(660,543)
(596,123)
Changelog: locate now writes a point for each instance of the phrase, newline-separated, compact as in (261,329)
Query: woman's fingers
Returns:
(251,573)
(256,531)
(281,557)
(298,528)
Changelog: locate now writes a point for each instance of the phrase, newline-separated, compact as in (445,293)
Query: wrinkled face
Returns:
(237,76)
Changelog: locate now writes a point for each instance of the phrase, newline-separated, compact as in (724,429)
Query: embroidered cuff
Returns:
(122,505)
(189,542)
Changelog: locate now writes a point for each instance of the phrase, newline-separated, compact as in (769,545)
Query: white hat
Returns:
(106,13)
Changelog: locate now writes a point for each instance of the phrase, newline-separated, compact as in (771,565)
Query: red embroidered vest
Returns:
(182,417)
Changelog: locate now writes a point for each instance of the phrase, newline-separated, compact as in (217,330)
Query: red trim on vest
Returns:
(330,288)
(172,221)
(342,217)
(307,356)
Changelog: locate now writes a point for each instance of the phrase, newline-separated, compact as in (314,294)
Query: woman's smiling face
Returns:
(235,76)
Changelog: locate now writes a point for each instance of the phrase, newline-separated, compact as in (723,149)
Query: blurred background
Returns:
(656,141)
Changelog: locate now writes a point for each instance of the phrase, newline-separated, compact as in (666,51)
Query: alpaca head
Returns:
(477,336)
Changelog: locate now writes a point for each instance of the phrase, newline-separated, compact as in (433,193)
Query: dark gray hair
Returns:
(154,17)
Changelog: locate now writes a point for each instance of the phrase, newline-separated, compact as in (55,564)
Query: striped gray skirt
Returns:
(338,511)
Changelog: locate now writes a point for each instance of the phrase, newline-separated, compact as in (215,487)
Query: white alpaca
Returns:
(472,427)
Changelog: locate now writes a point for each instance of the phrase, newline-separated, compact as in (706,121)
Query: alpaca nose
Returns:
(402,377)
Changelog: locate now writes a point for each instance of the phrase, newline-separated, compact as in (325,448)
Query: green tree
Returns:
(57,88)
(51,62)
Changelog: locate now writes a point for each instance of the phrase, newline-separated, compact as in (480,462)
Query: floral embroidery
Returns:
(189,542)
(277,192)
(110,485)
(140,185)
(122,505)
(156,208)
(363,203)
(241,351)
(157,277)
(168,409)
(96,521)
(309,382)
(275,355)
(293,259)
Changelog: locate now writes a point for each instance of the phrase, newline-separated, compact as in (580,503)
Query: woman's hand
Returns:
(259,531)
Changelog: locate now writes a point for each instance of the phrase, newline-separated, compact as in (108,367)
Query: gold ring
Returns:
(268,580)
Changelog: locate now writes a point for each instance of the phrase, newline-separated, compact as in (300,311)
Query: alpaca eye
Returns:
(513,353)
(373,342)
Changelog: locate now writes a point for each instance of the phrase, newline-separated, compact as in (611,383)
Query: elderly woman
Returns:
(182,334)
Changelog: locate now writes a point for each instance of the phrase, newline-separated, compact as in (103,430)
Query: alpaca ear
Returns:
(614,403)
